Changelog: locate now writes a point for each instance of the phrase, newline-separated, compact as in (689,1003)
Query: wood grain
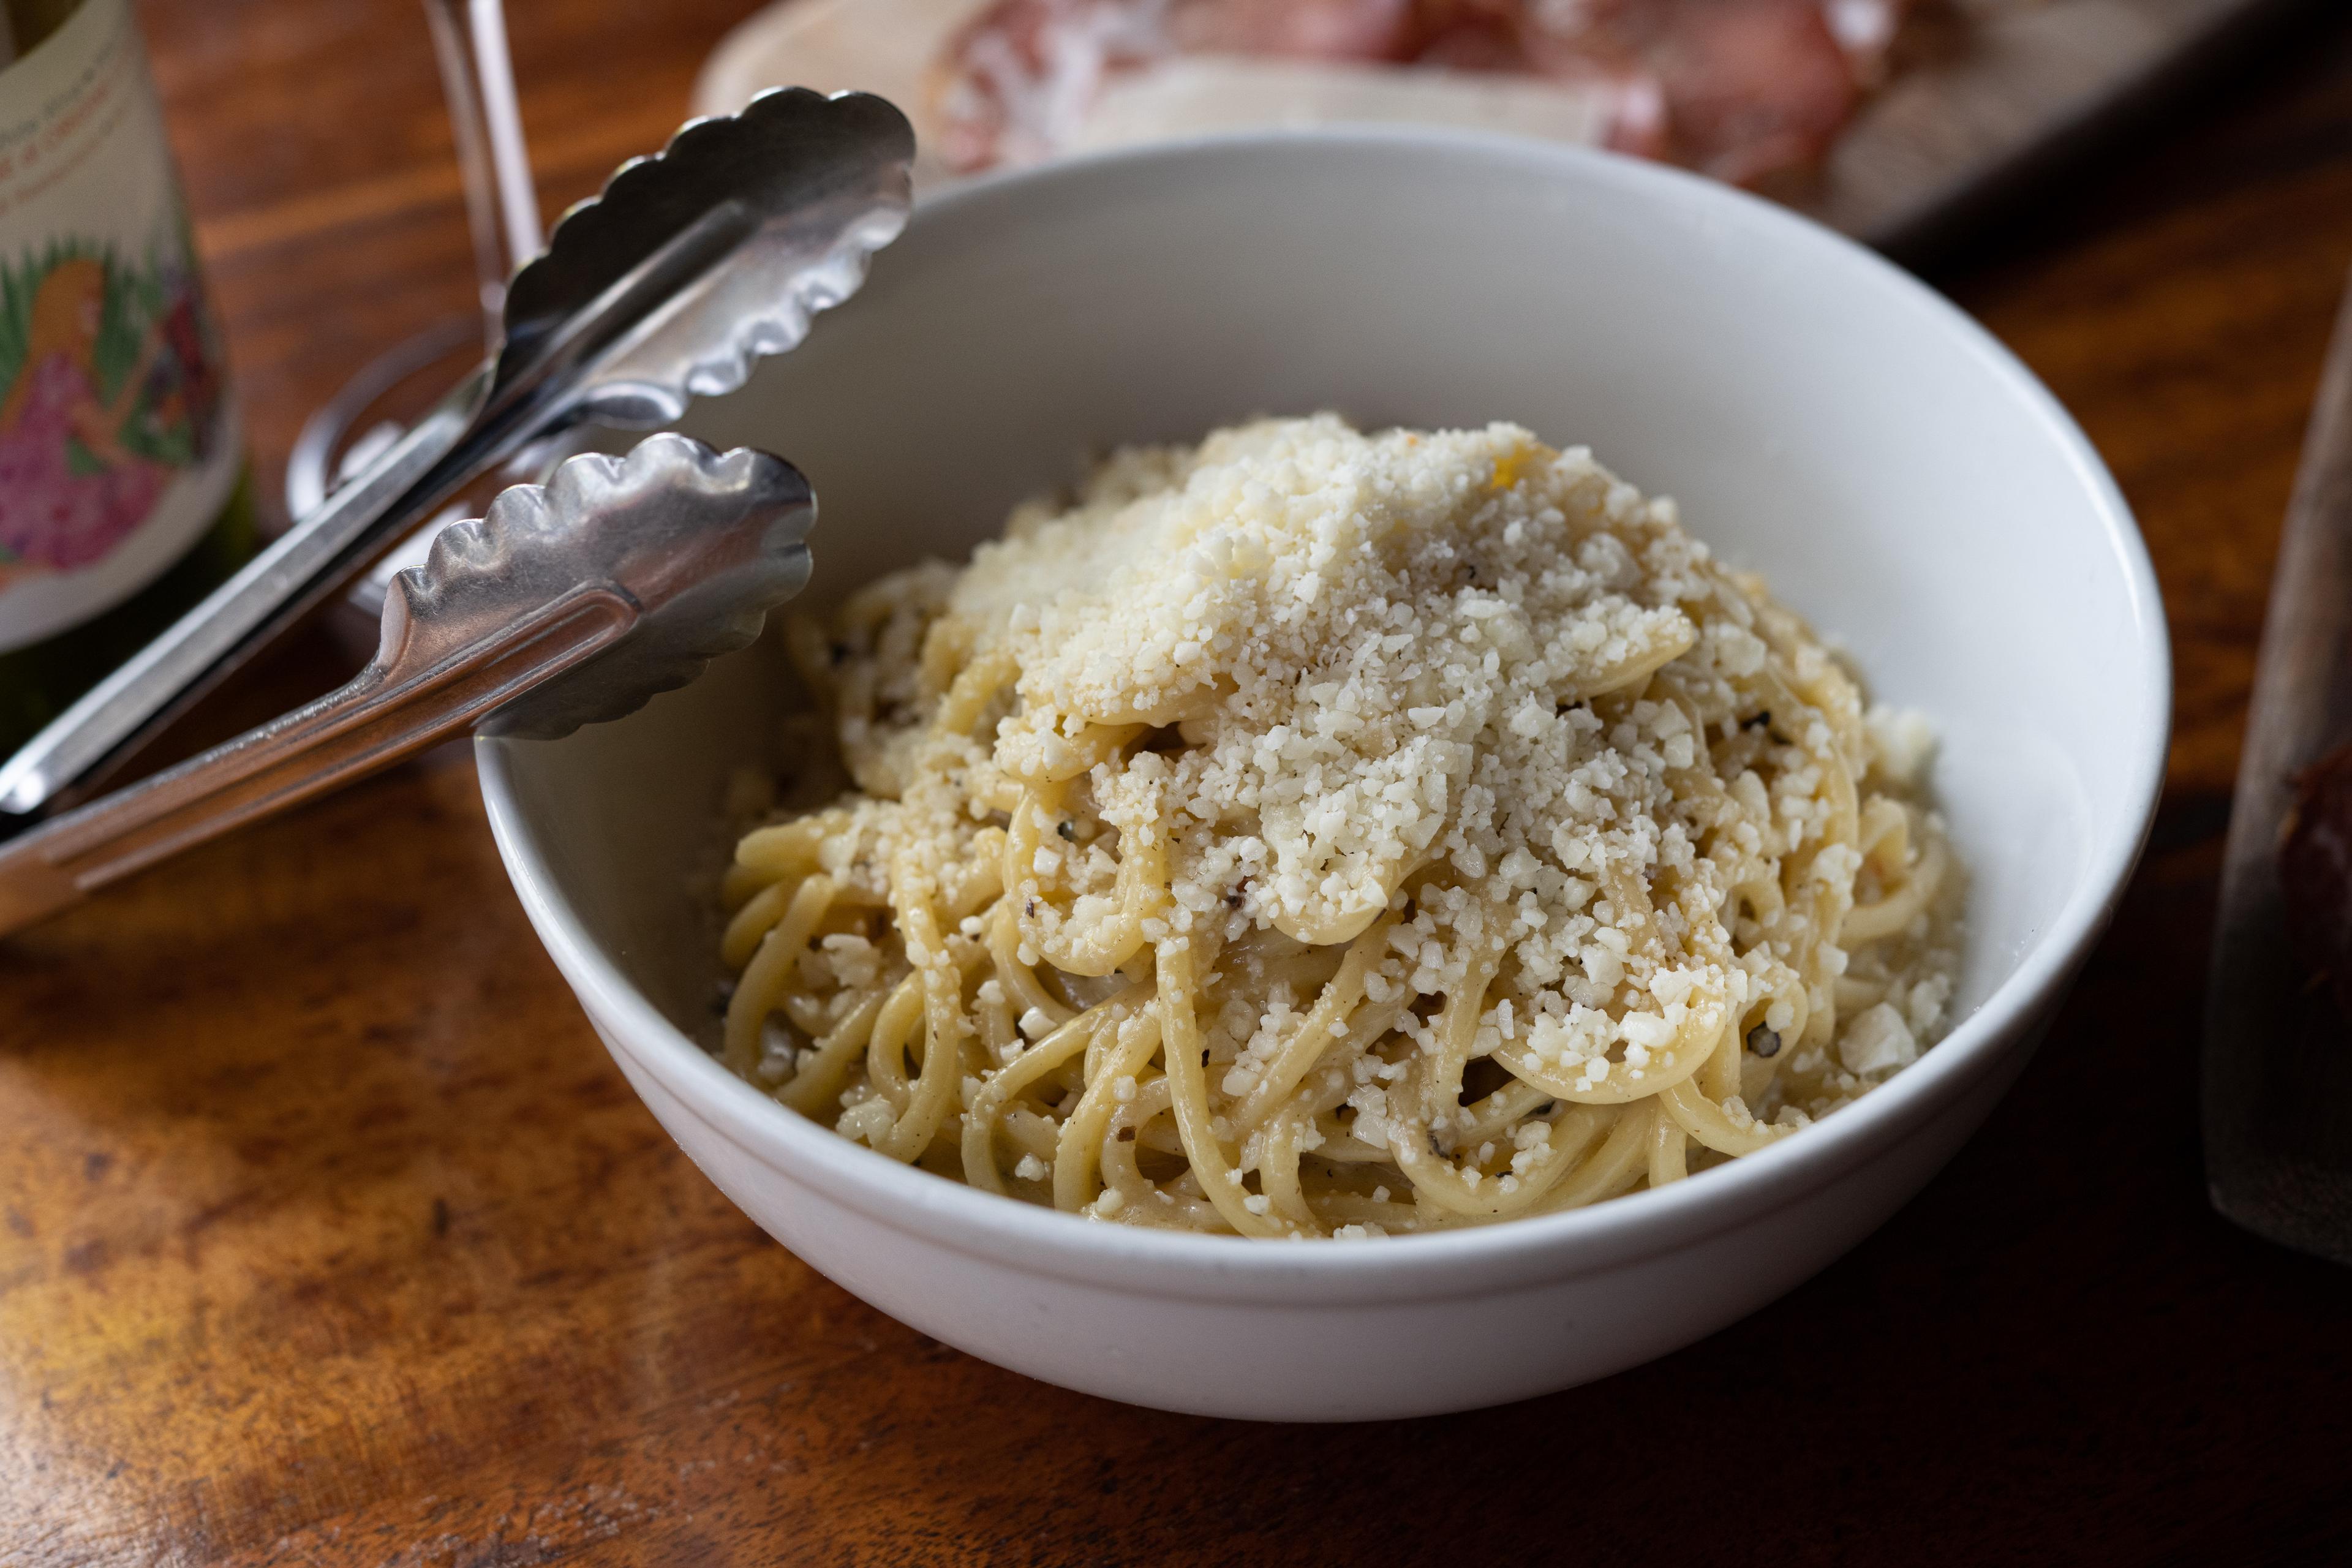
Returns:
(329,1234)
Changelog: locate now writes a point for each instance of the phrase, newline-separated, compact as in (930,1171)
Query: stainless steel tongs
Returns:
(690,267)
(565,605)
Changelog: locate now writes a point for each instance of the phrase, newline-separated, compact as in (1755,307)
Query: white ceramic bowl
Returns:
(1820,415)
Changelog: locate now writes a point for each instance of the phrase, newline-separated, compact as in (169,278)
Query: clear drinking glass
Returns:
(356,425)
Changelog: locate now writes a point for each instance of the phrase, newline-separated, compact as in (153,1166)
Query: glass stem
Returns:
(469,40)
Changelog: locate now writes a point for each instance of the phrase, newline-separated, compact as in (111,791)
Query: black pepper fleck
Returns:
(1764,1042)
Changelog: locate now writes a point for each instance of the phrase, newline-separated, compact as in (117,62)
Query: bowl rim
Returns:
(1479,1259)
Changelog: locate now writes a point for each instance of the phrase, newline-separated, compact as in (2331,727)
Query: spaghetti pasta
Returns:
(1314,833)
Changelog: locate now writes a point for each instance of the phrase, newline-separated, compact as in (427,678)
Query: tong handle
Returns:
(410,695)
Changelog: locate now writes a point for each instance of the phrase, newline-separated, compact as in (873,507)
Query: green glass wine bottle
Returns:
(124,497)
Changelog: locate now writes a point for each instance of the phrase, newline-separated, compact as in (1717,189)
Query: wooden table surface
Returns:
(329,1234)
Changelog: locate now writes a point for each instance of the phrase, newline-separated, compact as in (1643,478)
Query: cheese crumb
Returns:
(1877,1041)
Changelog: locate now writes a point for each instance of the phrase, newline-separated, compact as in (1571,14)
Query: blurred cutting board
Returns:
(1984,88)
(1991,85)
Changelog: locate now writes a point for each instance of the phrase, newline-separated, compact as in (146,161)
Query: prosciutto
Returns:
(1743,90)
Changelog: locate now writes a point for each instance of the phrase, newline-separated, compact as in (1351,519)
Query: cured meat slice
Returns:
(1018,80)
(1200,94)
(1738,88)
(1298,29)
(1752,87)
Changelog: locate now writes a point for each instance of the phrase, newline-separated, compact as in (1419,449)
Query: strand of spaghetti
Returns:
(818,1081)
(1108,944)
(1276,1150)
(1695,777)
(1705,1014)
(1719,1078)
(1439,1077)
(1447,1186)
(994,791)
(1343,925)
(1855,995)
(1667,1159)
(1637,664)
(1708,1123)
(1140,1199)
(787,848)
(994,1010)
(1018,979)
(1837,777)
(1119,1172)
(1498,1113)
(1373,1023)
(753,921)
(1816,678)
(946,651)
(1058,758)
(1180,1050)
(1340,1148)
(1631,901)
(805,1011)
(738,883)
(980,1121)
(893,1036)
(772,967)
(1030,1130)
(1895,912)
(1305,971)
(1882,833)
(1277,1170)
(1133,1036)
(1153,1138)
(1775,984)
(945,1025)
(1324,1023)
(1186,704)
(1099,1051)
(974,689)
(1837,784)
(1338,1207)
(1831,896)
(1611,1168)
(981,882)
(1437,1081)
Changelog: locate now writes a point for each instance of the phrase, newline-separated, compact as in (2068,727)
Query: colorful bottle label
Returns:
(119,442)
